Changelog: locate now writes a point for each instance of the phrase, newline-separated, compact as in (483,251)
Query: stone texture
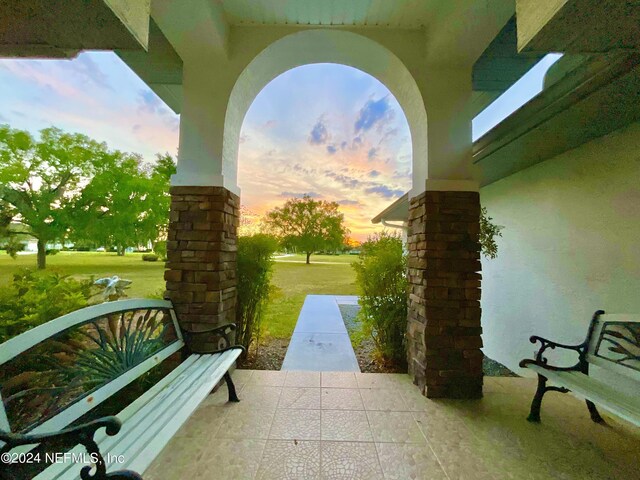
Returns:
(443,325)
(201,256)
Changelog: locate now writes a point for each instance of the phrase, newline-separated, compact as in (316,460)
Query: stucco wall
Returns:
(570,246)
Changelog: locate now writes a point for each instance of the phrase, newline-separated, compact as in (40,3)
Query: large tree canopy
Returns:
(308,225)
(39,179)
(67,186)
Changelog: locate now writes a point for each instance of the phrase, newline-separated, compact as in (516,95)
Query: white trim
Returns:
(437,185)
(23,342)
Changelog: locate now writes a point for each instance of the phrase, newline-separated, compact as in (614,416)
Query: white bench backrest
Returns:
(614,346)
(127,337)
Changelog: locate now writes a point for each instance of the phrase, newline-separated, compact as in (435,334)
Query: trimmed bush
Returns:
(150,257)
(52,251)
(381,276)
(33,299)
(160,249)
(254,283)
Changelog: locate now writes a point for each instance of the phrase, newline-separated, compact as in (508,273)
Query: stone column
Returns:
(443,331)
(201,253)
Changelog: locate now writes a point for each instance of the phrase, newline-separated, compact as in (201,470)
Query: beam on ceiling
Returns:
(578,26)
(62,28)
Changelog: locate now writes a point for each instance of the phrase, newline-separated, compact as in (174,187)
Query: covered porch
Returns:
(444,61)
(343,425)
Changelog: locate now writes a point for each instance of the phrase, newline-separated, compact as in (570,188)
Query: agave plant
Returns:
(61,370)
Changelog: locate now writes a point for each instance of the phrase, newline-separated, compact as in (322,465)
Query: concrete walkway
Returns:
(320,341)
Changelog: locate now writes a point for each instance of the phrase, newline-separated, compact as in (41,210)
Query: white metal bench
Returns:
(57,373)
(607,372)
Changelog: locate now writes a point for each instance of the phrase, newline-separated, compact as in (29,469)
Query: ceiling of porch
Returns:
(411,14)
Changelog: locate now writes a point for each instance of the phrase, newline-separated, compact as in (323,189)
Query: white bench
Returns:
(607,372)
(57,373)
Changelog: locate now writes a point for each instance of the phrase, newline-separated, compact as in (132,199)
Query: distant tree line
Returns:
(66,187)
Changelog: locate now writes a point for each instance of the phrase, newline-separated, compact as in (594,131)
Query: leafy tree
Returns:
(40,179)
(308,225)
(126,203)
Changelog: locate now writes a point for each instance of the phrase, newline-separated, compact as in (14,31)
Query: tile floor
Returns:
(311,425)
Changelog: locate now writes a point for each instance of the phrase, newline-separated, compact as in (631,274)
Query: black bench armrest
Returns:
(545,344)
(71,436)
(221,330)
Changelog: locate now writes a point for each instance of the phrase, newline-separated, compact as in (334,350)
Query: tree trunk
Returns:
(308,256)
(120,250)
(42,254)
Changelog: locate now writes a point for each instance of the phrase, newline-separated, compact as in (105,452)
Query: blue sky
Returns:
(326,130)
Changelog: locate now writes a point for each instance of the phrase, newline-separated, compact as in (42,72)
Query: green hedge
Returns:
(381,276)
(254,283)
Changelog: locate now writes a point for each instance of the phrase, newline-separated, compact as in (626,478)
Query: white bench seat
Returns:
(54,375)
(153,419)
(606,373)
(588,388)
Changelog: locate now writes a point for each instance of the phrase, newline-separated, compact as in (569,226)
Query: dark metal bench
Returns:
(58,372)
(607,372)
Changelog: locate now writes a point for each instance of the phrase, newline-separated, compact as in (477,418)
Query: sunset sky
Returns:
(329,131)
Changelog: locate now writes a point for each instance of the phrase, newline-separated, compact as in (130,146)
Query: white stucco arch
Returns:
(326,46)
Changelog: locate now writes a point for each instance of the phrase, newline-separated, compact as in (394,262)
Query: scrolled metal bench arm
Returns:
(541,361)
(80,434)
(225,329)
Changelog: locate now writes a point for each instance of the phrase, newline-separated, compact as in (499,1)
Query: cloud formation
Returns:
(300,195)
(331,149)
(385,191)
(319,134)
(374,112)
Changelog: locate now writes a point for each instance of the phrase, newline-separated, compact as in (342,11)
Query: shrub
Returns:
(488,232)
(52,251)
(31,300)
(254,280)
(381,276)
(160,249)
(150,257)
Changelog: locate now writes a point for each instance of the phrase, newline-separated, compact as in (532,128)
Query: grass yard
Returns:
(292,279)
(147,277)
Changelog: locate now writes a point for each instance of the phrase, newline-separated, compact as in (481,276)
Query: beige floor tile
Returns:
(409,461)
(177,460)
(376,380)
(299,397)
(290,460)
(260,396)
(229,458)
(269,378)
(341,399)
(204,422)
(342,425)
(219,398)
(397,427)
(349,461)
(302,379)
(383,399)
(295,425)
(339,380)
(246,421)
(241,377)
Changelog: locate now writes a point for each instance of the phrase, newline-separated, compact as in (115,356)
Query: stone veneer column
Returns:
(201,253)
(443,331)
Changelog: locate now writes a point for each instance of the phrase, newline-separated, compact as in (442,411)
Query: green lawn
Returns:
(292,280)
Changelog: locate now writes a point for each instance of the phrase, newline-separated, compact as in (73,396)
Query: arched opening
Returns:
(327,46)
(336,134)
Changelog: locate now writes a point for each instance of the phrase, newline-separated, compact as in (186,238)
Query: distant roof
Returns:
(398,211)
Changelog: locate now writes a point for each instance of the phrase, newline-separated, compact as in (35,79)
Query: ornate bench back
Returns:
(614,347)
(55,373)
